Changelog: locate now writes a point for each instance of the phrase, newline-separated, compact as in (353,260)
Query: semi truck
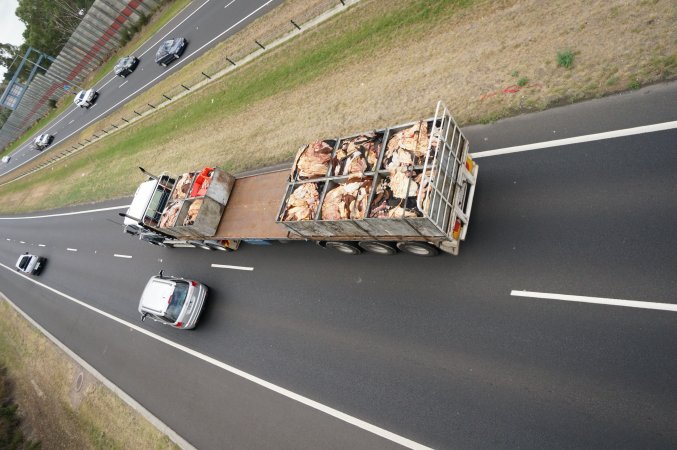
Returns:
(406,188)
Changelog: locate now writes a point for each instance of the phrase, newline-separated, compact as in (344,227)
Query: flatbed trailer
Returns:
(417,194)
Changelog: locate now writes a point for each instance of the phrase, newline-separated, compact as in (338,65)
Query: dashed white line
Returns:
(8,239)
(123,84)
(72,249)
(401,440)
(597,300)
(22,242)
(42,245)
(70,122)
(122,256)
(233,1)
(579,139)
(223,266)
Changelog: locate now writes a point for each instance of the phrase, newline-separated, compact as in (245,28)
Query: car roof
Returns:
(156,294)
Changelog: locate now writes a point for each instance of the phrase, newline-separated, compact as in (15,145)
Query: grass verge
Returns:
(52,409)
(369,68)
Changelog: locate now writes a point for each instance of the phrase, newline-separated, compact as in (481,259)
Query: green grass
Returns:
(286,72)
(565,58)
(148,31)
(523,81)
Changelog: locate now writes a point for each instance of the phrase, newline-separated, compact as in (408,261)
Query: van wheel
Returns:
(348,248)
(417,248)
(378,247)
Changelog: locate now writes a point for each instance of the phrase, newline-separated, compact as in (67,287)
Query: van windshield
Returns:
(177,300)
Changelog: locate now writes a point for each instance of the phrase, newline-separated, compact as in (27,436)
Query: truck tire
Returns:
(417,248)
(348,248)
(378,247)
(200,244)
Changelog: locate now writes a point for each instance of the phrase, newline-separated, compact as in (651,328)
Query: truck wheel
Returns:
(200,244)
(348,248)
(417,248)
(378,247)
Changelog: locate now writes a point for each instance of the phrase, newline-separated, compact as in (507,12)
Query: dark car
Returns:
(170,50)
(126,66)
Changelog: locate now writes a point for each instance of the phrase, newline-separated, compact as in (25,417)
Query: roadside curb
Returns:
(157,423)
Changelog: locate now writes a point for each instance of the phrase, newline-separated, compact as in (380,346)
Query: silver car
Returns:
(172,301)
(30,264)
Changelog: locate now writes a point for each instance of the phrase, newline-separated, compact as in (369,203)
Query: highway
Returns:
(204,23)
(436,351)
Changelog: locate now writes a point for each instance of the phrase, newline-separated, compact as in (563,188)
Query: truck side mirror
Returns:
(143,317)
(160,274)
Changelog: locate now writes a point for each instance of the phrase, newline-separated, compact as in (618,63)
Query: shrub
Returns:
(565,58)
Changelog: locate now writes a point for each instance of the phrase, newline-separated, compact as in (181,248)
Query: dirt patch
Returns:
(61,404)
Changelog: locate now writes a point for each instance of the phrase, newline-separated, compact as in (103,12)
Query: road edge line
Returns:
(157,423)
(596,300)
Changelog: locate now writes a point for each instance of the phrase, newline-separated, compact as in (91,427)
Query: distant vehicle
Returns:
(43,141)
(173,301)
(30,264)
(87,98)
(6,159)
(126,66)
(170,50)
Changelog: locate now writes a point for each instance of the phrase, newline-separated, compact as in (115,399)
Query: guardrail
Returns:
(285,29)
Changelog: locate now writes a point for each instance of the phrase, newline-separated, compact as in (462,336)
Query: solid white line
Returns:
(122,256)
(579,139)
(223,266)
(252,378)
(173,435)
(72,249)
(173,67)
(597,300)
(66,214)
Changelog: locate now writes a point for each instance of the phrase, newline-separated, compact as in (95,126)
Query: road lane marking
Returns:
(66,214)
(173,67)
(223,266)
(70,122)
(22,242)
(177,26)
(42,245)
(579,139)
(597,300)
(233,1)
(121,256)
(105,381)
(72,249)
(123,84)
(235,371)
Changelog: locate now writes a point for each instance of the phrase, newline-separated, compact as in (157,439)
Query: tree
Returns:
(50,23)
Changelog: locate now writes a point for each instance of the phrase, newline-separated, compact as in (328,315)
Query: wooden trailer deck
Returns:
(253,206)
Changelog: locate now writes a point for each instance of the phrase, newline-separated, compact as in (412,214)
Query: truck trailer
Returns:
(408,187)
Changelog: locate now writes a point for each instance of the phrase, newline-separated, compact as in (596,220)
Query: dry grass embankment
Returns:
(371,67)
(55,409)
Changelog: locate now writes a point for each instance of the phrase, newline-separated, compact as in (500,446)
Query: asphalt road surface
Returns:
(434,350)
(204,23)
